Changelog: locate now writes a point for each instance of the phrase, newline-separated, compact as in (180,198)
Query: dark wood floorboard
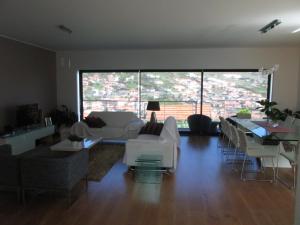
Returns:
(203,191)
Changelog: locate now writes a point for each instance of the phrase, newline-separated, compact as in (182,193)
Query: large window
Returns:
(225,93)
(109,91)
(180,93)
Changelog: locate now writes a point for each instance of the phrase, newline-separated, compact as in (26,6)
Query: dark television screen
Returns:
(28,115)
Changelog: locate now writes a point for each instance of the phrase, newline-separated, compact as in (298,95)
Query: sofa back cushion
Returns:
(115,119)
(94,122)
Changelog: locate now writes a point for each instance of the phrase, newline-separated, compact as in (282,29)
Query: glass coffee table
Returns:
(148,169)
(74,146)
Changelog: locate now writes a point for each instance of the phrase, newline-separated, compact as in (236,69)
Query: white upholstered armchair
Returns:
(165,145)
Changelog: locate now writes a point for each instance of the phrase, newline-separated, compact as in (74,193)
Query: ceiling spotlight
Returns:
(64,29)
(296,31)
(270,26)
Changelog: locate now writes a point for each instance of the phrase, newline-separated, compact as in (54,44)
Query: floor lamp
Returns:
(153,106)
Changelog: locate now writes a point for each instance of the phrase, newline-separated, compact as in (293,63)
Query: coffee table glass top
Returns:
(67,145)
(148,169)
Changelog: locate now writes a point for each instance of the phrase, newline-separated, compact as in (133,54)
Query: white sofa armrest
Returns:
(137,147)
(133,128)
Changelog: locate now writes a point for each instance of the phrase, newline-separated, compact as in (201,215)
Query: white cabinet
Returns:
(24,141)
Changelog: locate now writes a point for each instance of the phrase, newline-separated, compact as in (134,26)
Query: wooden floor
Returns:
(203,190)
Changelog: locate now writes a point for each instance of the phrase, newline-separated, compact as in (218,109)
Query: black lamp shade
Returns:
(153,106)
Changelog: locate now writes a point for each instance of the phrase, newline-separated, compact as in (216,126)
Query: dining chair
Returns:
(296,126)
(289,121)
(227,148)
(236,144)
(256,150)
(221,140)
(290,152)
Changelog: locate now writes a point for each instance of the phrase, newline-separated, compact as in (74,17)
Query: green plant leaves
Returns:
(271,112)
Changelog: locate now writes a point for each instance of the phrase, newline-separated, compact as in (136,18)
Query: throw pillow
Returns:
(94,122)
(152,128)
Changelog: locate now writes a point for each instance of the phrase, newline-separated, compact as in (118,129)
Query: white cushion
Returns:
(149,137)
(107,132)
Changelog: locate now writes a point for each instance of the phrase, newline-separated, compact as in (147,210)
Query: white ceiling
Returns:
(115,24)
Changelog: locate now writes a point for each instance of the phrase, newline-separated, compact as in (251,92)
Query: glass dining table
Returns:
(267,133)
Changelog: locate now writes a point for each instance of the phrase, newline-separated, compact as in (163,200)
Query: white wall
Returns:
(27,76)
(285,89)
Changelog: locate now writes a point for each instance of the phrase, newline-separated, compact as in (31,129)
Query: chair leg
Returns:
(295,176)
(262,168)
(273,167)
(277,168)
(219,142)
(286,183)
(234,159)
(243,167)
(224,140)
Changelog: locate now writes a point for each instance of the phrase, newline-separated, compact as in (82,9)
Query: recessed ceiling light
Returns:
(295,31)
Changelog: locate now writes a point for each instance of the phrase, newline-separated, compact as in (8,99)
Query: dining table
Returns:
(269,133)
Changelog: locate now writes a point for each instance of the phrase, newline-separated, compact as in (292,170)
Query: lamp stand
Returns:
(153,118)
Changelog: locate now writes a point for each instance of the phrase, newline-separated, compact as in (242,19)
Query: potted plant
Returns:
(63,116)
(244,114)
(272,113)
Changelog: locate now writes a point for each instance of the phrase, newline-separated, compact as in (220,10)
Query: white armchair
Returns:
(165,145)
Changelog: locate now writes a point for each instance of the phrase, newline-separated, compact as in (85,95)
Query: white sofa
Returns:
(118,125)
(165,145)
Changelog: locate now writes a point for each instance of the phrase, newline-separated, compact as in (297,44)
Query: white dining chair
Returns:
(225,133)
(221,140)
(288,122)
(236,141)
(227,149)
(290,152)
(236,144)
(258,151)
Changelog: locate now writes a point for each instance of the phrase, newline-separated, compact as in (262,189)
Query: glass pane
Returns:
(110,91)
(225,93)
(178,94)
